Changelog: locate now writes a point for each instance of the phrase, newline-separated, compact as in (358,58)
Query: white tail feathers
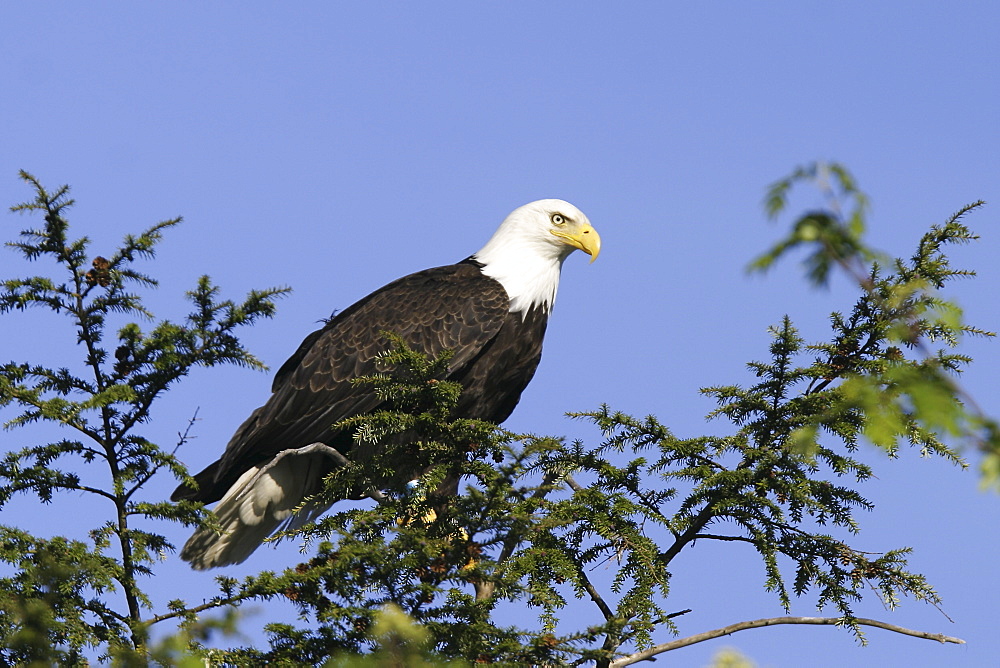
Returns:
(258,504)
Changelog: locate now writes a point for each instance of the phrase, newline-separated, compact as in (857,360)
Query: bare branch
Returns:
(573,484)
(183,437)
(709,536)
(216,602)
(774,621)
(595,595)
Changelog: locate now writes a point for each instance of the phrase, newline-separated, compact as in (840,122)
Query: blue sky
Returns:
(333,147)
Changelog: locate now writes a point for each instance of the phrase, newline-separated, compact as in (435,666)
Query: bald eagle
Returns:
(490,309)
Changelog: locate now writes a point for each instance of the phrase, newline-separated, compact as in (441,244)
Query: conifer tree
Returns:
(415,578)
(72,594)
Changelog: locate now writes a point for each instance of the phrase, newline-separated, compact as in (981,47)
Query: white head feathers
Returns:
(526,252)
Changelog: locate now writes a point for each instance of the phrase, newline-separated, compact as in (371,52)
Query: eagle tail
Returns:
(258,504)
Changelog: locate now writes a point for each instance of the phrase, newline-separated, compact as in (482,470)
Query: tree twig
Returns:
(774,621)
(573,484)
(182,438)
(710,536)
(595,595)
(208,605)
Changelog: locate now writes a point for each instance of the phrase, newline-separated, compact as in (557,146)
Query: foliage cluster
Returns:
(103,407)
(535,515)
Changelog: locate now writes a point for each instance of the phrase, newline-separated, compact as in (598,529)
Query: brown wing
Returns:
(454,307)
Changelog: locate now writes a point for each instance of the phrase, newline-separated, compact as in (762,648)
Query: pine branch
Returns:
(595,595)
(647,654)
(212,604)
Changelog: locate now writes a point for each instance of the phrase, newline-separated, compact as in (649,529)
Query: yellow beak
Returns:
(583,237)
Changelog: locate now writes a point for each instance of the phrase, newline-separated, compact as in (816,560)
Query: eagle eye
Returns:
(558,219)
